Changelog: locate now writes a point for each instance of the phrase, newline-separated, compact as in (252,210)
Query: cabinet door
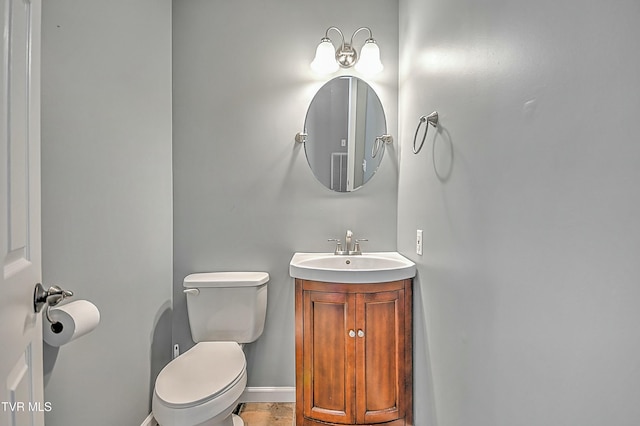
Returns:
(380,355)
(329,356)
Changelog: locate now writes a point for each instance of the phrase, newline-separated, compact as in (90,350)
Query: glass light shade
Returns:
(369,62)
(325,60)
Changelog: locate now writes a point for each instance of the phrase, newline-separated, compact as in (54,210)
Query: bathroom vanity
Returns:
(353,345)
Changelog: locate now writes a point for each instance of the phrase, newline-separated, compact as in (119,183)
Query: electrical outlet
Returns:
(419,242)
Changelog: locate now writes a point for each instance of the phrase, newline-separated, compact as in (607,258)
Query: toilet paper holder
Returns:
(50,298)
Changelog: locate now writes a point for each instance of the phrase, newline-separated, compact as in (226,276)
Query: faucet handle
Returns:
(338,245)
(356,247)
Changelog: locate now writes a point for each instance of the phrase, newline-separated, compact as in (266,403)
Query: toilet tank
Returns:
(226,306)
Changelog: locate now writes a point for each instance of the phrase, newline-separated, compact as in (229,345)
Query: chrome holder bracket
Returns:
(48,298)
(379,143)
(301,137)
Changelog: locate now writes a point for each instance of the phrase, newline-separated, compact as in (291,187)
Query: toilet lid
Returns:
(200,374)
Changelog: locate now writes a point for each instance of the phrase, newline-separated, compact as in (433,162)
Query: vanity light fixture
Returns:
(328,59)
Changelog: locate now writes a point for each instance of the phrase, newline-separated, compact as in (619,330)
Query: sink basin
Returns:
(365,268)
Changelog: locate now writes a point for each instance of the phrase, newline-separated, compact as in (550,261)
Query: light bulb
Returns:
(369,62)
(325,60)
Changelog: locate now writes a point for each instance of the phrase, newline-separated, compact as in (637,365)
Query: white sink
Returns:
(363,268)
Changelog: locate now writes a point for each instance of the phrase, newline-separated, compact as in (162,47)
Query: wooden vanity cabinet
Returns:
(354,354)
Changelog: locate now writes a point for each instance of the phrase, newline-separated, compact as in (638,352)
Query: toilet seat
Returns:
(201,374)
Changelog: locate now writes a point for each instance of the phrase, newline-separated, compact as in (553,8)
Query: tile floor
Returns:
(268,414)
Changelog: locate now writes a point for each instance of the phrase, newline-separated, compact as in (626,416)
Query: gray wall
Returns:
(527,292)
(526,296)
(107,201)
(244,197)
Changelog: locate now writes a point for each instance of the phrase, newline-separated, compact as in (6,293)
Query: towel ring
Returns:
(429,119)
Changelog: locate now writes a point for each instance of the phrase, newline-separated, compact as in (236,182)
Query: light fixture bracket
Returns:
(346,56)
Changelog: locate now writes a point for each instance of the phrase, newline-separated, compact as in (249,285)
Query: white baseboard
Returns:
(269,394)
(149,421)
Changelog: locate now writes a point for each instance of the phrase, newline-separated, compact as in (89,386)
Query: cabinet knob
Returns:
(352,333)
(360,333)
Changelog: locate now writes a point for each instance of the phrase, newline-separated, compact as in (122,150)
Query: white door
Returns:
(21,378)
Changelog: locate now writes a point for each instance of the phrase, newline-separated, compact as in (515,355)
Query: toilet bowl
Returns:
(201,387)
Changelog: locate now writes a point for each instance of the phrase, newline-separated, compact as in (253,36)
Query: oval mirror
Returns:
(343,125)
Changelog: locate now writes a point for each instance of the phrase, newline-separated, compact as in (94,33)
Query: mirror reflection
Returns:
(343,121)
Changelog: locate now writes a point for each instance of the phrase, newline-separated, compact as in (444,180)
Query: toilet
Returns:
(202,386)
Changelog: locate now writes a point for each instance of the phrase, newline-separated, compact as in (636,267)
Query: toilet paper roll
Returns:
(75,319)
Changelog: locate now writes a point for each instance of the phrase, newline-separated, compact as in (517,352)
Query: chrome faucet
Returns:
(347,241)
(350,247)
